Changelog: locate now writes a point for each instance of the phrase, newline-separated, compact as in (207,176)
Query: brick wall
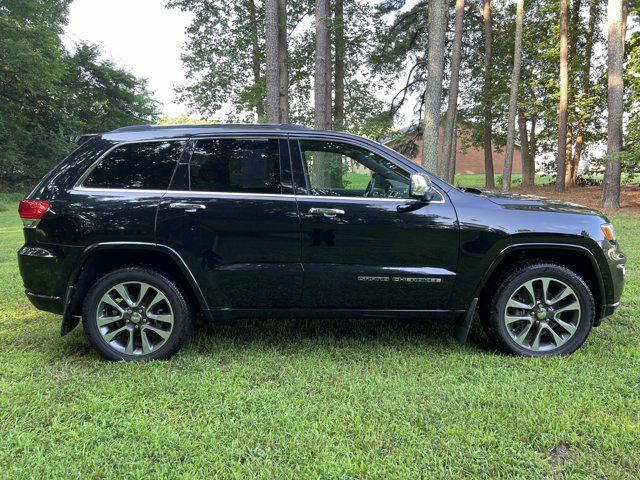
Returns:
(471,159)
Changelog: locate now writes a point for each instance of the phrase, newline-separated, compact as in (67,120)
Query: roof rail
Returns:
(80,139)
(279,126)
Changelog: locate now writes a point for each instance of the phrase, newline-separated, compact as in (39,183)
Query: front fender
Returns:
(527,246)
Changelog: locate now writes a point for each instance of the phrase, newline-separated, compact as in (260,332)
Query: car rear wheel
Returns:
(540,309)
(136,314)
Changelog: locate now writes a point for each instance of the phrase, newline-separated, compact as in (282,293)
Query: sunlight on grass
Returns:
(315,398)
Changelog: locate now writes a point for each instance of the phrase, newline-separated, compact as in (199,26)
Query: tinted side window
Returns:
(236,165)
(341,169)
(147,165)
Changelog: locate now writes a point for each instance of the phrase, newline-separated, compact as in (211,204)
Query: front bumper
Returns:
(608,310)
(618,272)
(616,263)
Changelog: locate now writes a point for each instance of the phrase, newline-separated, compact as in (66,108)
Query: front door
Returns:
(231,216)
(358,250)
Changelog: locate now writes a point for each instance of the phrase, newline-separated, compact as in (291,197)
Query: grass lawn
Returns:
(311,399)
(477,180)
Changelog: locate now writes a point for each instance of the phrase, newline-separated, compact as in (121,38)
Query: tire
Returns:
(153,327)
(553,323)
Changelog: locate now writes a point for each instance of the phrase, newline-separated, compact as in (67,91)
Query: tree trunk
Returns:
(528,169)
(451,163)
(449,137)
(338,72)
(283,56)
(571,170)
(615,102)
(271,50)
(513,99)
(255,59)
(322,101)
(322,89)
(486,94)
(533,146)
(625,15)
(585,111)
(433,93)
(574,22)
(328,83)
(564,92)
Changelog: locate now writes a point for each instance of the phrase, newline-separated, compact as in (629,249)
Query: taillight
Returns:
(31,211)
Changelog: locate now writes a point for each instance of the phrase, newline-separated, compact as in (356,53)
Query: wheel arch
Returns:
(101,258)
(575,257)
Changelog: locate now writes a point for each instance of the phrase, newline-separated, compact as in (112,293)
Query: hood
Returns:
(533,202)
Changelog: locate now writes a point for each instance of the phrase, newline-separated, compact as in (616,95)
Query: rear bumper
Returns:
(48,303)
(45,273)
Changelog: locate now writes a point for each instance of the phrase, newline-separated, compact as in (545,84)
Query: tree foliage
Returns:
(631,156)
(48,94)
(219,56)
(31,66)
(101,96)
(400,54)
(220,53)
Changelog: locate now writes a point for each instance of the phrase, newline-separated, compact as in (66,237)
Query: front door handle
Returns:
(188,207)
(326,212)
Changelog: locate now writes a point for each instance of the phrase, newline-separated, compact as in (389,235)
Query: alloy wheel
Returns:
(134,318)
(542,314)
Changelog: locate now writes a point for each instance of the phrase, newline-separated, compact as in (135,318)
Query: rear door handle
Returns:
(326,212)
(188,207)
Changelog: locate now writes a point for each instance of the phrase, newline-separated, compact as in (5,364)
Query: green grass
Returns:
(9,202)
(311,399)
(359,181)
(356,181)
(477,180)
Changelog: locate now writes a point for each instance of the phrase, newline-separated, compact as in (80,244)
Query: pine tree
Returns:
(433,94)
(449,137)
(564,97)
(616,20)
(513,99)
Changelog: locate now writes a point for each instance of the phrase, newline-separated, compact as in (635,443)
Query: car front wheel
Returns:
(540,309)
(136,314)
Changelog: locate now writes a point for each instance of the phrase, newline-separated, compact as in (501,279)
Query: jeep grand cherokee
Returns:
(142,227)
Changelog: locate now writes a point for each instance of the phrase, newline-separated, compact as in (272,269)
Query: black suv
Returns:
(142,227)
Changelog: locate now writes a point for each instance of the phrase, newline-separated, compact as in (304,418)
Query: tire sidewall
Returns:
(181,313)
(513,281)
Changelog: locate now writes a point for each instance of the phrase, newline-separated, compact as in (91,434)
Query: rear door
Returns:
(232,216)
(358,249)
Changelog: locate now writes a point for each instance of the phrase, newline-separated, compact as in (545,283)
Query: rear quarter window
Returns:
(147,165)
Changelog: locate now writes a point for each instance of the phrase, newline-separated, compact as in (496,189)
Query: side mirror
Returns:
(420,186)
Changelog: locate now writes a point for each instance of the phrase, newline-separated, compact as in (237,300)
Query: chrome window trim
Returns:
(298,138)
(80,188)
(83,177)
(379,199)
(246,194)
